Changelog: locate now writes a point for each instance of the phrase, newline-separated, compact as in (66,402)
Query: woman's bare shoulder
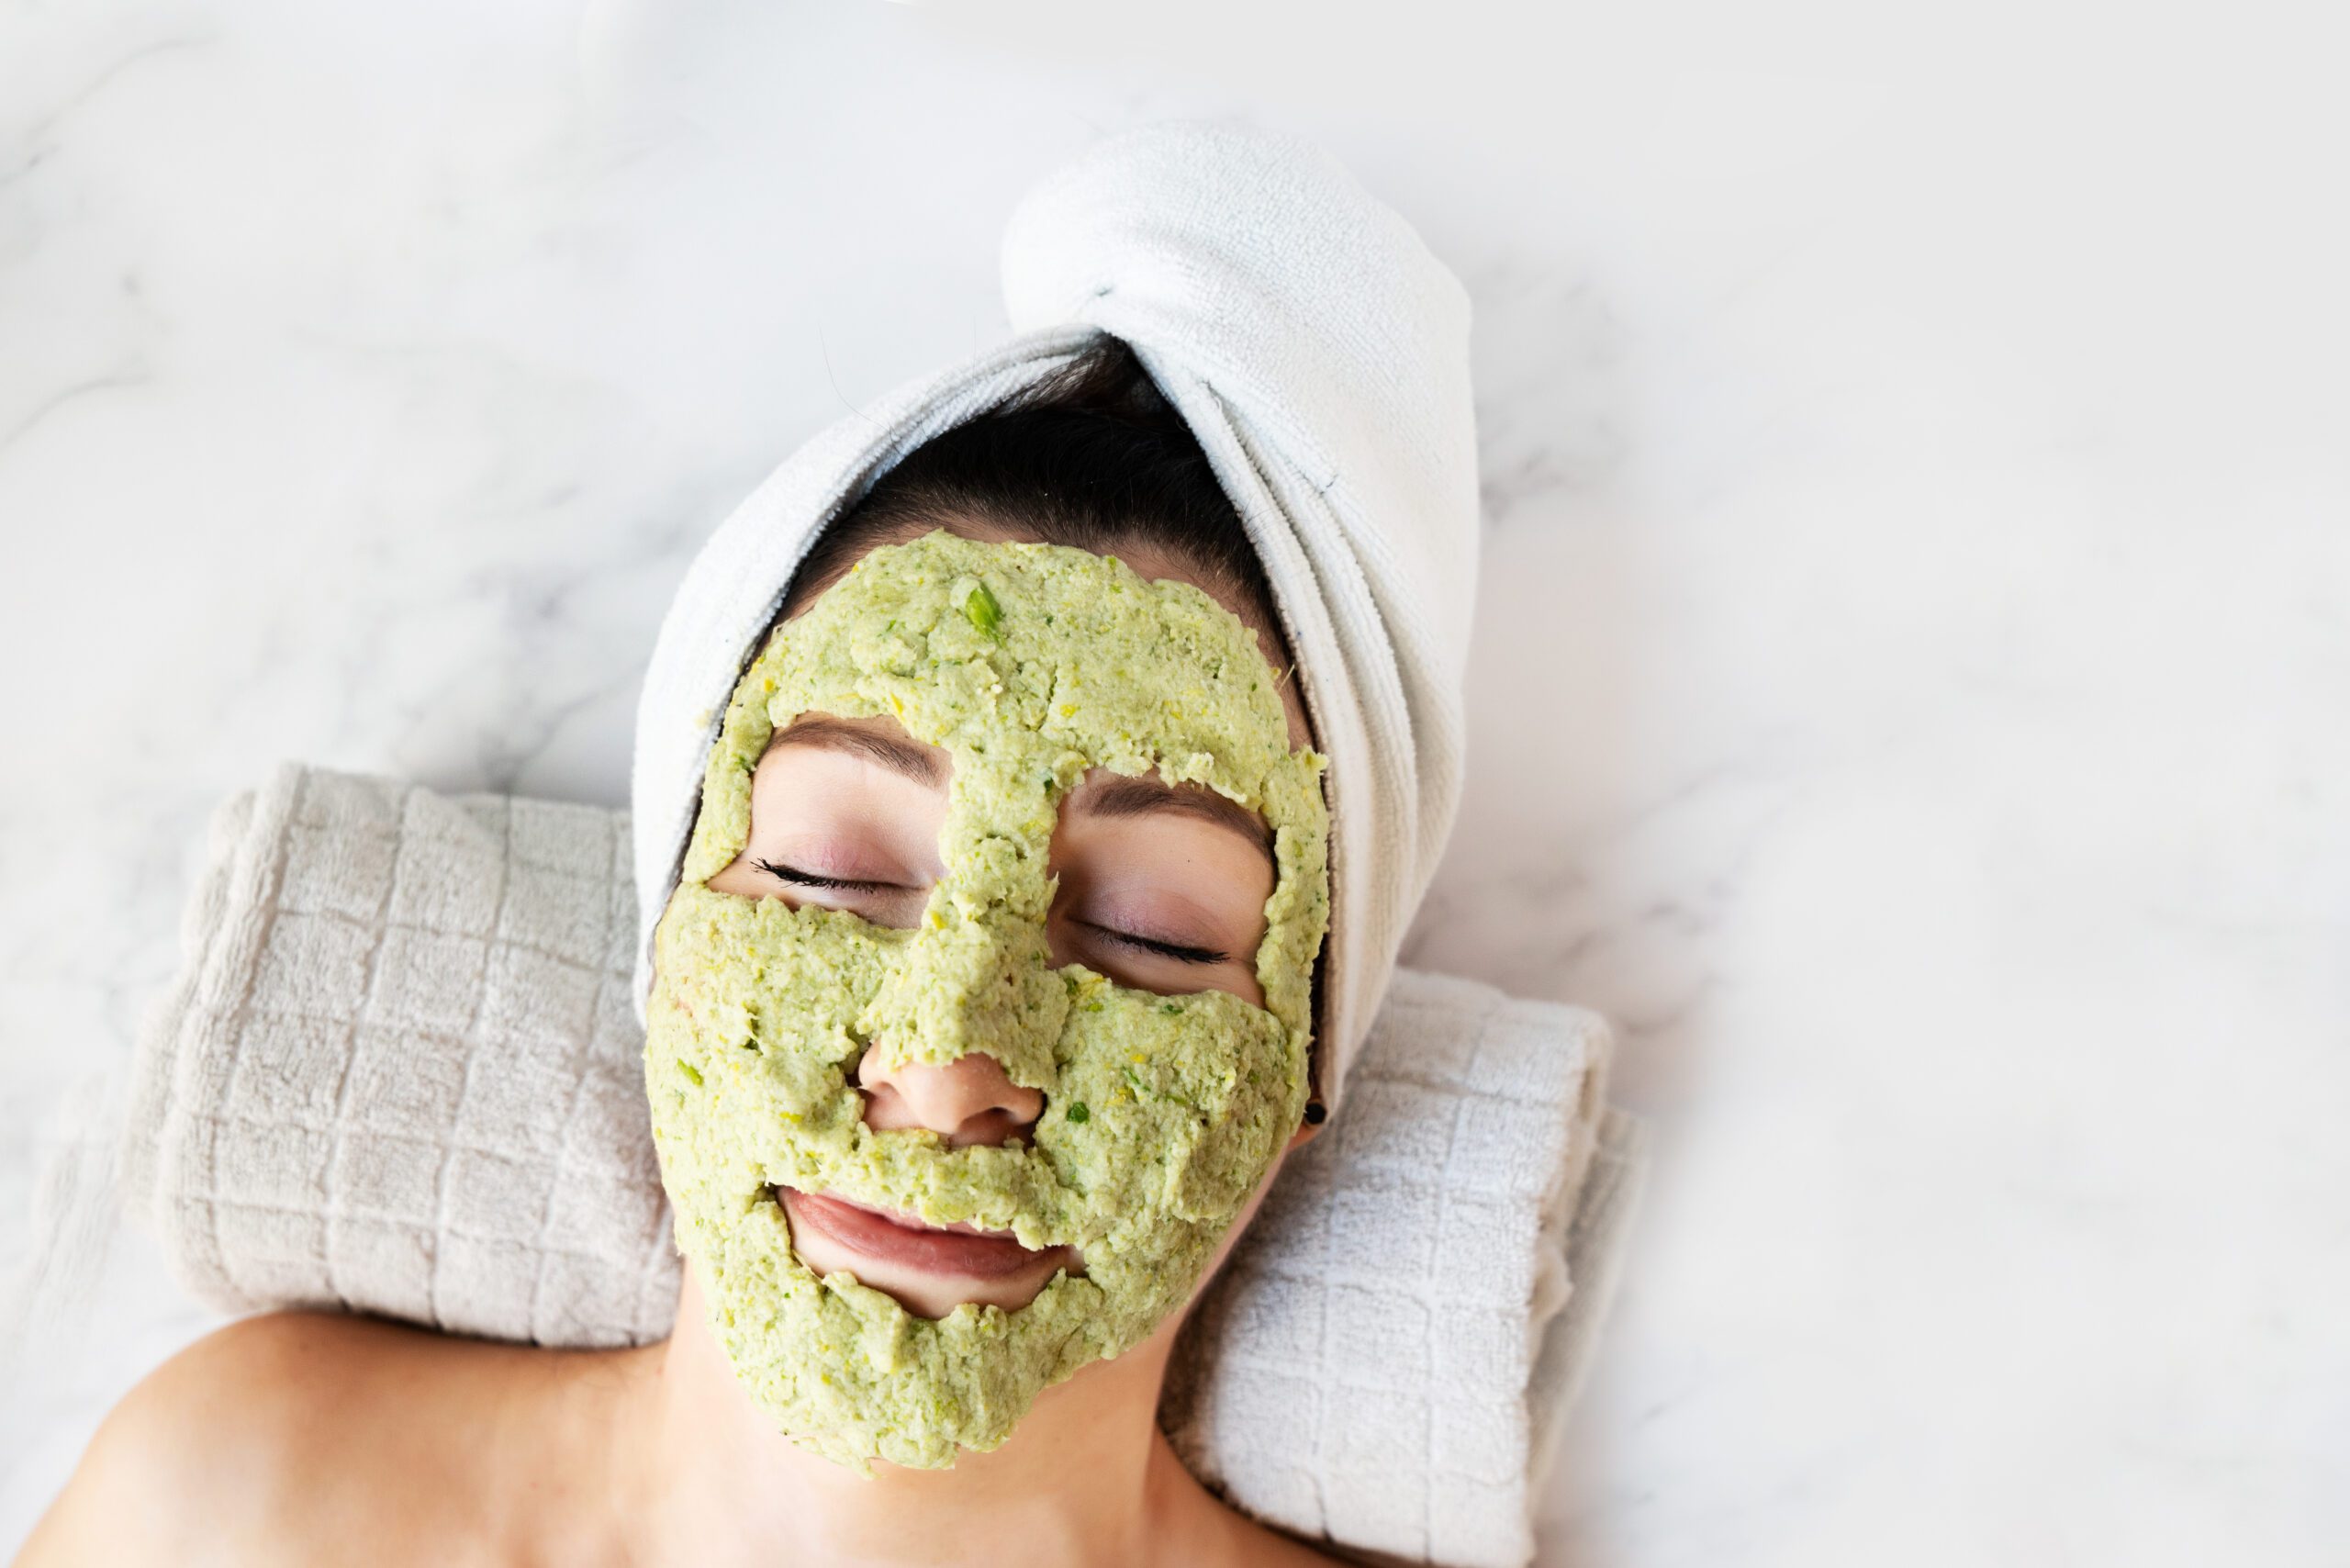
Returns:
(277,1437)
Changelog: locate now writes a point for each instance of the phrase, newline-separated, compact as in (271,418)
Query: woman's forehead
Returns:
(1150,561)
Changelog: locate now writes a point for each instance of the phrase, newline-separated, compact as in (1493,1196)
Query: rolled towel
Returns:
(1320,354)
(399,1074)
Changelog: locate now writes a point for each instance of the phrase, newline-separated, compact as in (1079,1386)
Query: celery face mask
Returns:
(1028,664)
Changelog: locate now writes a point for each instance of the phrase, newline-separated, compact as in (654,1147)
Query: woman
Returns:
(301,1438)
(959,1261)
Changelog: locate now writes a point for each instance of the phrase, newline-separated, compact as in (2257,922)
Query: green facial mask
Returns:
(1028,664)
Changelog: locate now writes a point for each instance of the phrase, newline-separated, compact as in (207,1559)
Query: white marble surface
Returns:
(1911,688)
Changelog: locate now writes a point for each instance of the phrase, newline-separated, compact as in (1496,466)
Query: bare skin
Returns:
(308,1438)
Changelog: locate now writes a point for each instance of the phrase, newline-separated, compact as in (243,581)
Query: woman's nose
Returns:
(969,1101)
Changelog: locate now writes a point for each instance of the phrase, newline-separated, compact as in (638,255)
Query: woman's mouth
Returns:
(962,1250)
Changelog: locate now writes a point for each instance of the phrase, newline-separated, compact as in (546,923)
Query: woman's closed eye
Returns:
(886,899)
(1181,953)
(794,877)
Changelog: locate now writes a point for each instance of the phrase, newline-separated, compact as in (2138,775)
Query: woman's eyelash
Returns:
(800,878)
(1174,950)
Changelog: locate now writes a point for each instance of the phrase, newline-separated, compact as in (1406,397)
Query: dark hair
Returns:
(1093,456)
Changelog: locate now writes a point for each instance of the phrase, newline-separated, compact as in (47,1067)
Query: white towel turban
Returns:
(1320,354)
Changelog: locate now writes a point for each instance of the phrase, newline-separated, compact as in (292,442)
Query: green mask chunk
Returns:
(1028,664)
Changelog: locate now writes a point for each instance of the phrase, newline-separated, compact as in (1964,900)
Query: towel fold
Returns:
(397,1073)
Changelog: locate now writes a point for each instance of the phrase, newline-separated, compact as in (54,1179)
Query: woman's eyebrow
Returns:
(905,757)
(1121,796)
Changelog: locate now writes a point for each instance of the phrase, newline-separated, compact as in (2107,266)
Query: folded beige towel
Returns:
(399,1074)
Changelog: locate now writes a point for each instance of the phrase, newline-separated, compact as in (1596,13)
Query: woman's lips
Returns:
(964,1250)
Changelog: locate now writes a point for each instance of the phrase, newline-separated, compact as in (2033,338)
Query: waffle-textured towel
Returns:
(1321,355)
(399,1074)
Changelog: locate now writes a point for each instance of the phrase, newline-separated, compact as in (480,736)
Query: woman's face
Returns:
(981,1008)
(1159,888)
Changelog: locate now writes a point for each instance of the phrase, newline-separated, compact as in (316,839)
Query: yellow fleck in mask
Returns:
(1028,664)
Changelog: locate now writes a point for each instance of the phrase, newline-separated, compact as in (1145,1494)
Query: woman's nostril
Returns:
(987,1127)
(965,1102)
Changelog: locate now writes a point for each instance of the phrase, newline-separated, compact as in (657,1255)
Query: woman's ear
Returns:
(1316,1114)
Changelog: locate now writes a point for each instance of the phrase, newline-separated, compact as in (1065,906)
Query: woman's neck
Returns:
(1086,1479)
